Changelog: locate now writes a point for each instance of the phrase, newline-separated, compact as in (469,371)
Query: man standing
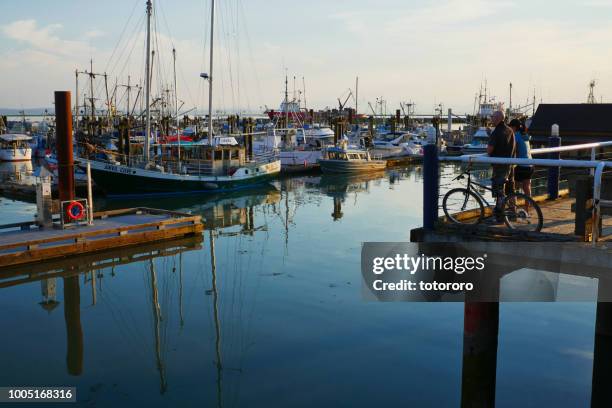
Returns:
(501,144)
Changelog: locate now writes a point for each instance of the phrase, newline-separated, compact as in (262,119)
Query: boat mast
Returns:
(178,130)
(210,75)
(148,84)
(304,86)
(93,108)
(356,95)
(76,101)
(286,102)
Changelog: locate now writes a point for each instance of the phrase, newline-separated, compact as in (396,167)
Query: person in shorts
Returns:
(522,174)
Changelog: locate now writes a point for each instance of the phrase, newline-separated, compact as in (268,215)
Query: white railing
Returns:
(597,169)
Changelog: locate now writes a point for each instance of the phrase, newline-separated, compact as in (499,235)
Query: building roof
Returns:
(575,120)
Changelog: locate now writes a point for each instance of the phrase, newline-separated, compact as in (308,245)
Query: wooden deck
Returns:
(559,225)
(111,229)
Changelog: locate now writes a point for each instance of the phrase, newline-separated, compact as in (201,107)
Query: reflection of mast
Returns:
(286,220)
(93,288)
(156,320)
(213,266)
(181,289)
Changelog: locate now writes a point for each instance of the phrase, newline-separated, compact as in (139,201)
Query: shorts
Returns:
(522,173)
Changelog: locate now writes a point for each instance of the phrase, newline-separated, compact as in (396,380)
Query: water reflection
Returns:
(266,310)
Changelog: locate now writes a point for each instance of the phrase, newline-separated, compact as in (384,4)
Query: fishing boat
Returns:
(177,167)
(302,151)
(344,159)
(223,166)
(15,147)
(479,143)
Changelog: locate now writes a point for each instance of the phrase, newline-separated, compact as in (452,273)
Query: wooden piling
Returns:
(63,120)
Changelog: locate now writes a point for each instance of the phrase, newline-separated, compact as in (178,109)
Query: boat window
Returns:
(353,156)
(218,154)
(234,154)
(342,156)
(208,155)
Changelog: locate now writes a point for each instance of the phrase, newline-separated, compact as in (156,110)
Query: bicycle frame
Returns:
(471,188)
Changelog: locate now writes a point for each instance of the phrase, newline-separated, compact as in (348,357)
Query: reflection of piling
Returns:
(74,332)
(65,159)
(480,331)
(601,395)
(337,214)
(430,186)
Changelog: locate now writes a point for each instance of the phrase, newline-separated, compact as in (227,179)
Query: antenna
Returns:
(591,97)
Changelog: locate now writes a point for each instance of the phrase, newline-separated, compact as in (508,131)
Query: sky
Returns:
(425,52)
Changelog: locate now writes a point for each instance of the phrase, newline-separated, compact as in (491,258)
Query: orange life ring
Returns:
(75,211)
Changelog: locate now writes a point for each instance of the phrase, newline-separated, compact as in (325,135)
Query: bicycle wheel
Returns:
(462,206)
(522,213)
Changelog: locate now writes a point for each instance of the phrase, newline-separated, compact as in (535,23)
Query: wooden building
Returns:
(578,123)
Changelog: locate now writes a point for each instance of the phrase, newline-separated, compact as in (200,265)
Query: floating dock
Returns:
(22,243)
(111,258)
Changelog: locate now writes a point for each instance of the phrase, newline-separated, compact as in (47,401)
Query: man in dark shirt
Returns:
(501,144)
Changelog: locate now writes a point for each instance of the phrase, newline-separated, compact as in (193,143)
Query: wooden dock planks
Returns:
(111,229)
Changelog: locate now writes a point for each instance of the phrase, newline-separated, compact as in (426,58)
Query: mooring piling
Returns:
(65,158)
(553,172)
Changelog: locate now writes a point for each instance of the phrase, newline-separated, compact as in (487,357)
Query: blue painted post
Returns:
(431,185)
(553,172)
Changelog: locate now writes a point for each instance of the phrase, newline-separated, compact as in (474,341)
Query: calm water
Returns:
(284,324)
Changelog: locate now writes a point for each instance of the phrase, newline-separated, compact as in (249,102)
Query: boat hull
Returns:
(351,166)
(300,160)
(128,181)
(18,154)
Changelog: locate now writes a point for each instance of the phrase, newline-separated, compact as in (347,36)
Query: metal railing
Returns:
(597,168)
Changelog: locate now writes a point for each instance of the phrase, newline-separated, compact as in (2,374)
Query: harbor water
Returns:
(267,310)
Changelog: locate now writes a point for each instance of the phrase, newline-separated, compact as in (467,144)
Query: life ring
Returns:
(75,211)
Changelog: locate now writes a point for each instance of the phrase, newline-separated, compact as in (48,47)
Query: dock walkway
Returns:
(559,225)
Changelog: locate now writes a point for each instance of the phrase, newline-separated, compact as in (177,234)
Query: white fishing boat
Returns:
(15,147)
(344,159)
(479,143)
(317,131)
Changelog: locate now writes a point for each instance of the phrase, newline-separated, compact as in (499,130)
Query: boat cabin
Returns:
(14,141)
(219,159)
(336,153)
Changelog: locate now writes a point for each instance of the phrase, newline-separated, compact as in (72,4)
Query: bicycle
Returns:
(518,210)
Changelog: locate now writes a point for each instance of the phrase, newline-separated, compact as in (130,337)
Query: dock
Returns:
(559,226)
(574,214)
(23,243)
